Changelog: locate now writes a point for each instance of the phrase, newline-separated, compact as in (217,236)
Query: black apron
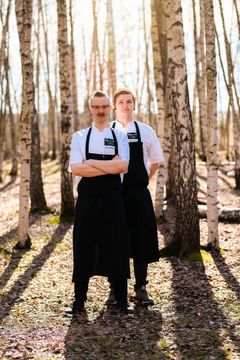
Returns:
(138,205)
(100,234)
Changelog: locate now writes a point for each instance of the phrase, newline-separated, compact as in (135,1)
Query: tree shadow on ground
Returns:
(9,185)
(115,336)
(16,256)
(13,233)
(200,325)
(9,299)
(225,271)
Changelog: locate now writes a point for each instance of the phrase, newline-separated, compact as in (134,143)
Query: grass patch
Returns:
(164,344)
(203,256)
(55,220)
(5,251)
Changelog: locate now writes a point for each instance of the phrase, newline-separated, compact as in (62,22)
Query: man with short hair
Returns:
(99,154)
(145,156)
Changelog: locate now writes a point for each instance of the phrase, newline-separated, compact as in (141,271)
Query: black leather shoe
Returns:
(76,308)
(122,306)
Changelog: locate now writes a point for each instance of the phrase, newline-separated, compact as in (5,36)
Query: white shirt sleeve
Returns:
(123,146)
(155,154)
(76,155)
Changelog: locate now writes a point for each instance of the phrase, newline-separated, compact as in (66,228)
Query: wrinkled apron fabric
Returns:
(100,235)
(139,207)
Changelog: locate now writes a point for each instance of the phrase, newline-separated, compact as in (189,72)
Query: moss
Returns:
(55,220)
(203,256)
(5,251)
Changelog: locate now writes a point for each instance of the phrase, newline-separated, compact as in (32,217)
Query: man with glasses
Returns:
(98,156)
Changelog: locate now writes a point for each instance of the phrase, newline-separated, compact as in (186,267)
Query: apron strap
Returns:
(138,131)
(87,143)
(115,141)
(88,138)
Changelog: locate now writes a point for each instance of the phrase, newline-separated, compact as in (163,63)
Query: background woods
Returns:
(186,85)
(181,58)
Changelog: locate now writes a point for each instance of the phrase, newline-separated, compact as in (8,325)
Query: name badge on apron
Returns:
(109,143)
(132,136)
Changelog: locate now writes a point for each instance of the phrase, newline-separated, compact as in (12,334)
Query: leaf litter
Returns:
(196,313)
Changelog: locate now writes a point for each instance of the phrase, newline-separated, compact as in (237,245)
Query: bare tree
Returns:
(24,23)
(157,33)
(187,236)
(111,50)
(212,161)
(200,77)
(231,99)
(73,72)
(67,200)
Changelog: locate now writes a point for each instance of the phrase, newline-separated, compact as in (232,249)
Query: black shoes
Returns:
(142,296)
(122,306)
(76,308)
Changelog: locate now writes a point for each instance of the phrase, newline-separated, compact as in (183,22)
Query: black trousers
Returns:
(140,272)
(119,286)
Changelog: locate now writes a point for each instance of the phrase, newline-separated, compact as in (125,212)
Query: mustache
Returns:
(101,114)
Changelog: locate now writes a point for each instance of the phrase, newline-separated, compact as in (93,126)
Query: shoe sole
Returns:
(144,303)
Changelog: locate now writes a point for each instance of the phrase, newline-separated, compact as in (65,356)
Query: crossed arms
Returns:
(91,168)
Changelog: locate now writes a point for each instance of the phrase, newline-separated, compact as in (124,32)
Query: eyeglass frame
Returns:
(98,107)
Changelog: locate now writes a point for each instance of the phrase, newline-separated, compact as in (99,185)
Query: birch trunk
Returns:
(38,201)
(73,72)
(160,93)
(212,161)
(24,24)
(13,132)
(231,99)
(187,236)
(111,50)
(67,200)
(202,87)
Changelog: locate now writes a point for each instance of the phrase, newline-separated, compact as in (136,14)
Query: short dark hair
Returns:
(123,91)
(97,93)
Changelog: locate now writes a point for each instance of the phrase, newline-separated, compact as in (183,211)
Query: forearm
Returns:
(115,166)
(86,170)
(153,168)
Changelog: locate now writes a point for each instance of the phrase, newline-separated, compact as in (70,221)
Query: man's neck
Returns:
(125,120)
(101,125)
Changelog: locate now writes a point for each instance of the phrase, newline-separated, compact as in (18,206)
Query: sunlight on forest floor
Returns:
(196,313)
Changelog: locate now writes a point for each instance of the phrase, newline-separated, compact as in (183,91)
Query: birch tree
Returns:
(73,71)
(212,161)
(67,200)
(112,81)
(24,24)
(187,236)
(156,32)
(231,99)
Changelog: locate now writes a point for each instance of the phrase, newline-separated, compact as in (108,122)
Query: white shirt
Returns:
(100,143)
(152,151)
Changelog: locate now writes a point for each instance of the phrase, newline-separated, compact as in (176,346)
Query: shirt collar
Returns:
(120,125)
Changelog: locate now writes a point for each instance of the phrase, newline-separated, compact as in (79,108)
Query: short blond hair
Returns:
(123,91)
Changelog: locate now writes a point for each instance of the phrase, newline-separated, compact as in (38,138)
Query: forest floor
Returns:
(196,313)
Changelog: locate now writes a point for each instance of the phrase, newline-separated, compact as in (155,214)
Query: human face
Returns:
(100,109)
(124,106)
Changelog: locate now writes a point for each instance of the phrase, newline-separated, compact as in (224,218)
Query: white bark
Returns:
(24,19)
(212,161)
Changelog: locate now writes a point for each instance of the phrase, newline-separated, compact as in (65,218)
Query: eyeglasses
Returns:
(97,107)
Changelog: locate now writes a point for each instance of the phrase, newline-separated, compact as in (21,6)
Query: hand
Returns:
(116,157)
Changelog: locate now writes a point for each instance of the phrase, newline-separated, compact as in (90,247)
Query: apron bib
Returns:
(138,205)
(100,235)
